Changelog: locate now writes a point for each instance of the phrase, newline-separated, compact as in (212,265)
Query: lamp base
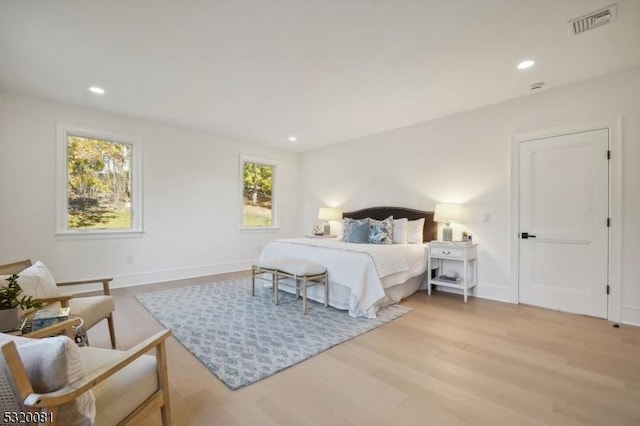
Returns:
(447,233)
(327,228)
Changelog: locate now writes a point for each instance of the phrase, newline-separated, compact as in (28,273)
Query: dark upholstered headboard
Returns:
(429,232)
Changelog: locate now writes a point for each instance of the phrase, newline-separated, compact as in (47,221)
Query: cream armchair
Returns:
(49,383)
(92,309)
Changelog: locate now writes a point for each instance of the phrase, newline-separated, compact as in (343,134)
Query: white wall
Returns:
(466,158)
(191,198)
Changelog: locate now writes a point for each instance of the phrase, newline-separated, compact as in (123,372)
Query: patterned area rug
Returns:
(243,339)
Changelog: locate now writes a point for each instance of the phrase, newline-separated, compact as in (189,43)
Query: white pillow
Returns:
(336,228)
(400,235)
(38,282)
(51,364)
(414,231)
(35,281)
(27,284)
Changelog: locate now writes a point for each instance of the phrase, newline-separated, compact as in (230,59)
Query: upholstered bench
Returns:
(304,273)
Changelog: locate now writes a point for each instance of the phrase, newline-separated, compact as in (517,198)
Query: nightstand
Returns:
(440,253)
(320,236)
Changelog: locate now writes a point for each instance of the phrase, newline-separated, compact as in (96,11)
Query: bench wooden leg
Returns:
(326,289)
(304,296)
(275,286)
(253,281)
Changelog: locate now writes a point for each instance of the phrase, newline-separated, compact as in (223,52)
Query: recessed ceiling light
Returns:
(292,139)
(97,90)
(526,64)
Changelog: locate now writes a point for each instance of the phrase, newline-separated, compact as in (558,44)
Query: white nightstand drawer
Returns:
(447,252)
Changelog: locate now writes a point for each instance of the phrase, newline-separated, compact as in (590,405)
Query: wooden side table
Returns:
(440,253)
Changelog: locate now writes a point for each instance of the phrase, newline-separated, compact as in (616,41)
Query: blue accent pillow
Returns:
(355,231)
(381,231)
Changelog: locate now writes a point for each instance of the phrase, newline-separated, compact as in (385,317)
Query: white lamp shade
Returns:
(329,213)
(447,212)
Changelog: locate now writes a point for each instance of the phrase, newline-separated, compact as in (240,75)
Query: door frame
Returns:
(614,270)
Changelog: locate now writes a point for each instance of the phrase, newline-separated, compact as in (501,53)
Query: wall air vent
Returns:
(593,20)
(536,86)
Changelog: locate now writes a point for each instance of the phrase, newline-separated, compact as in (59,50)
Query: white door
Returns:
(564,204)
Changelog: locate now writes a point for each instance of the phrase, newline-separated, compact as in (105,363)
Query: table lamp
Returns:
(447,213)
(328,214)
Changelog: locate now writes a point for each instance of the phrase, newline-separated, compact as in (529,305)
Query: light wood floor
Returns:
(445,363)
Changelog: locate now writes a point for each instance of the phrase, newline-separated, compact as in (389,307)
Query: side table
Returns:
(440,253)
(73,327)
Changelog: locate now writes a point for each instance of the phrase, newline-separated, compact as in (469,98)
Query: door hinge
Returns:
(608,288)
(608,154)
(608,222)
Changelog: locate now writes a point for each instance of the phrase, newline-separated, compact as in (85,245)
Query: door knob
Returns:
(526,235)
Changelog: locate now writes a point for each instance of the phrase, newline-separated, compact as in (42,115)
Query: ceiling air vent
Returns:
(593,20)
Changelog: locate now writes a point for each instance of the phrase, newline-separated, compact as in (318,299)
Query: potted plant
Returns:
(11,300)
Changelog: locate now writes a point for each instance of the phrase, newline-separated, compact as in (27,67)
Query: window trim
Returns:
(62,132)
(275,224)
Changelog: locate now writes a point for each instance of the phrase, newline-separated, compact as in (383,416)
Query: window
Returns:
(258,184)
(99,188)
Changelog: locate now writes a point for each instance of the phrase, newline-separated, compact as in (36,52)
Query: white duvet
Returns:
(366,269)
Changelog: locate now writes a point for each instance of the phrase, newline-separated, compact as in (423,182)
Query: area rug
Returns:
(242,339)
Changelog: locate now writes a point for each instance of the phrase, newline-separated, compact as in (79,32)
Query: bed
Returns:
(364,277)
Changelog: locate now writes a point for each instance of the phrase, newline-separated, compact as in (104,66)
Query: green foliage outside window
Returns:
(98,184)
(257,195)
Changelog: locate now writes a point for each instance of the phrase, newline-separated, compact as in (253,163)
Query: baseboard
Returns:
(131,280)
(494,292)
(631,315)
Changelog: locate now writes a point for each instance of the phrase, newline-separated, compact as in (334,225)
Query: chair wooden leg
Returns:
(165,414)
(112,330)
(163,378)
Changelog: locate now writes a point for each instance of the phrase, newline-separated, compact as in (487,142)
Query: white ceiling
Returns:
(326,71)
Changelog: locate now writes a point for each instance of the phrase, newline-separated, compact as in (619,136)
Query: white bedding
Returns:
(365,269)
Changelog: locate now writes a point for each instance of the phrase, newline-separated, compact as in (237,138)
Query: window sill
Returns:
(247,230)
(97,235)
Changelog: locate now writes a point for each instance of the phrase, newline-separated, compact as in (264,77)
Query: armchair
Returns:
(92,309)
(119,388)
